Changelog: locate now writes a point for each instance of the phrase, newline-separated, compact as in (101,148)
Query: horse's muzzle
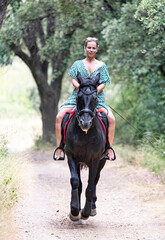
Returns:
(85,125)
(85,118)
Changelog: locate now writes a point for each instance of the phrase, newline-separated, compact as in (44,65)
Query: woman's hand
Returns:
(100,88)
(75,84)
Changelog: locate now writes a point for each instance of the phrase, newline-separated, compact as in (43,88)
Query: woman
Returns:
(88,67)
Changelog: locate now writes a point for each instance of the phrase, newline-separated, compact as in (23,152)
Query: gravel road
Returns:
(131,203)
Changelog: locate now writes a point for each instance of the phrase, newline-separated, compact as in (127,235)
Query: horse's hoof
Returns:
(83,217)
(93,212)
(74,218)
(78,222)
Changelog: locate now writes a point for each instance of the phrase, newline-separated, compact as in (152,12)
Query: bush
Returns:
(8,169)
(154,158)
(145,155)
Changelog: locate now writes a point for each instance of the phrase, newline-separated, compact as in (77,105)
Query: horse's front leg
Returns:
(80,185)
(74,180)
(100,167)
(86,211)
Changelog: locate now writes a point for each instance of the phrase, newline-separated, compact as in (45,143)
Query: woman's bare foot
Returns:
(110,154)
(58,154)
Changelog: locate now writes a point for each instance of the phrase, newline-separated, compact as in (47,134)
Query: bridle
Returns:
(86,110)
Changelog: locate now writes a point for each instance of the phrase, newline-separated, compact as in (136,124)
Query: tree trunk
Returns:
(49,93)
(48,110)
(49,102)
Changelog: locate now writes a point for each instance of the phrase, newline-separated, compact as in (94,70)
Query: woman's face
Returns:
(91,49)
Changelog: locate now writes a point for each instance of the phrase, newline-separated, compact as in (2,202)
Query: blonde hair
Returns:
(91,39)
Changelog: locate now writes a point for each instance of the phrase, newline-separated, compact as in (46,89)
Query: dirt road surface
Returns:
(131,203)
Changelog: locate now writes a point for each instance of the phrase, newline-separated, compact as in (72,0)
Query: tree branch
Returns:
(51,24)
(40,32)
(162,69)
(108,5)
(30,39)
(21,54)
(3,8)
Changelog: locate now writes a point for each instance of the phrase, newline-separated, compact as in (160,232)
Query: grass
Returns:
(145,156)
(9,176)
(15,111)
(12,178)
(8,190)
(41,145)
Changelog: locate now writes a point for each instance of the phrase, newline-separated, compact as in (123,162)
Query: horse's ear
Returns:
(79,78)
(97,78)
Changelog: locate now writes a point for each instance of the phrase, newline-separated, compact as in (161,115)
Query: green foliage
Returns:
(85,19)
(5,55)
(154,159)
(137,62)
(3,147)
(15,86)
(145,155)
(152,13)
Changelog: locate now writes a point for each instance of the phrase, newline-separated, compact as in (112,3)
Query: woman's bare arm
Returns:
(75,84)
(100,87)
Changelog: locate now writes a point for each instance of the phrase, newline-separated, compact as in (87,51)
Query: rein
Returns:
(87,110)
(88,93)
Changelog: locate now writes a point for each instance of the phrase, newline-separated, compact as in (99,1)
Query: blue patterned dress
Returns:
(104,78)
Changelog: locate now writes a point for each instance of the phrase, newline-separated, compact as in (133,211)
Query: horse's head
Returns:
(87,100)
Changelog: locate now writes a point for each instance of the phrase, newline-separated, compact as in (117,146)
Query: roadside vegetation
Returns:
(144,155)
(8,177)
(9,183)
(16,110)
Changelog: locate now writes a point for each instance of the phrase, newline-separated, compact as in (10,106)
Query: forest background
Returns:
(48,36)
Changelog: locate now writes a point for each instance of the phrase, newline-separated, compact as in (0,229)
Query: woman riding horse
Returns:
(85,144)
(88,67)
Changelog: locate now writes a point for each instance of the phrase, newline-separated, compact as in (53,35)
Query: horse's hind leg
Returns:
(74,204)
(100,167)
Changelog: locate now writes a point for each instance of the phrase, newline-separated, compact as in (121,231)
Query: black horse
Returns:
(85,140)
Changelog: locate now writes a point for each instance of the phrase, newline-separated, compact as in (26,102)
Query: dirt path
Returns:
(131,204)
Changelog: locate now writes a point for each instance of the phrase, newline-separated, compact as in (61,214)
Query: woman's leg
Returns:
(111,129)
(59,118)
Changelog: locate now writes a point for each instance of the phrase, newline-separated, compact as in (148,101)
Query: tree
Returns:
(137,63)
(151,14)
(42,33)
(35,32)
